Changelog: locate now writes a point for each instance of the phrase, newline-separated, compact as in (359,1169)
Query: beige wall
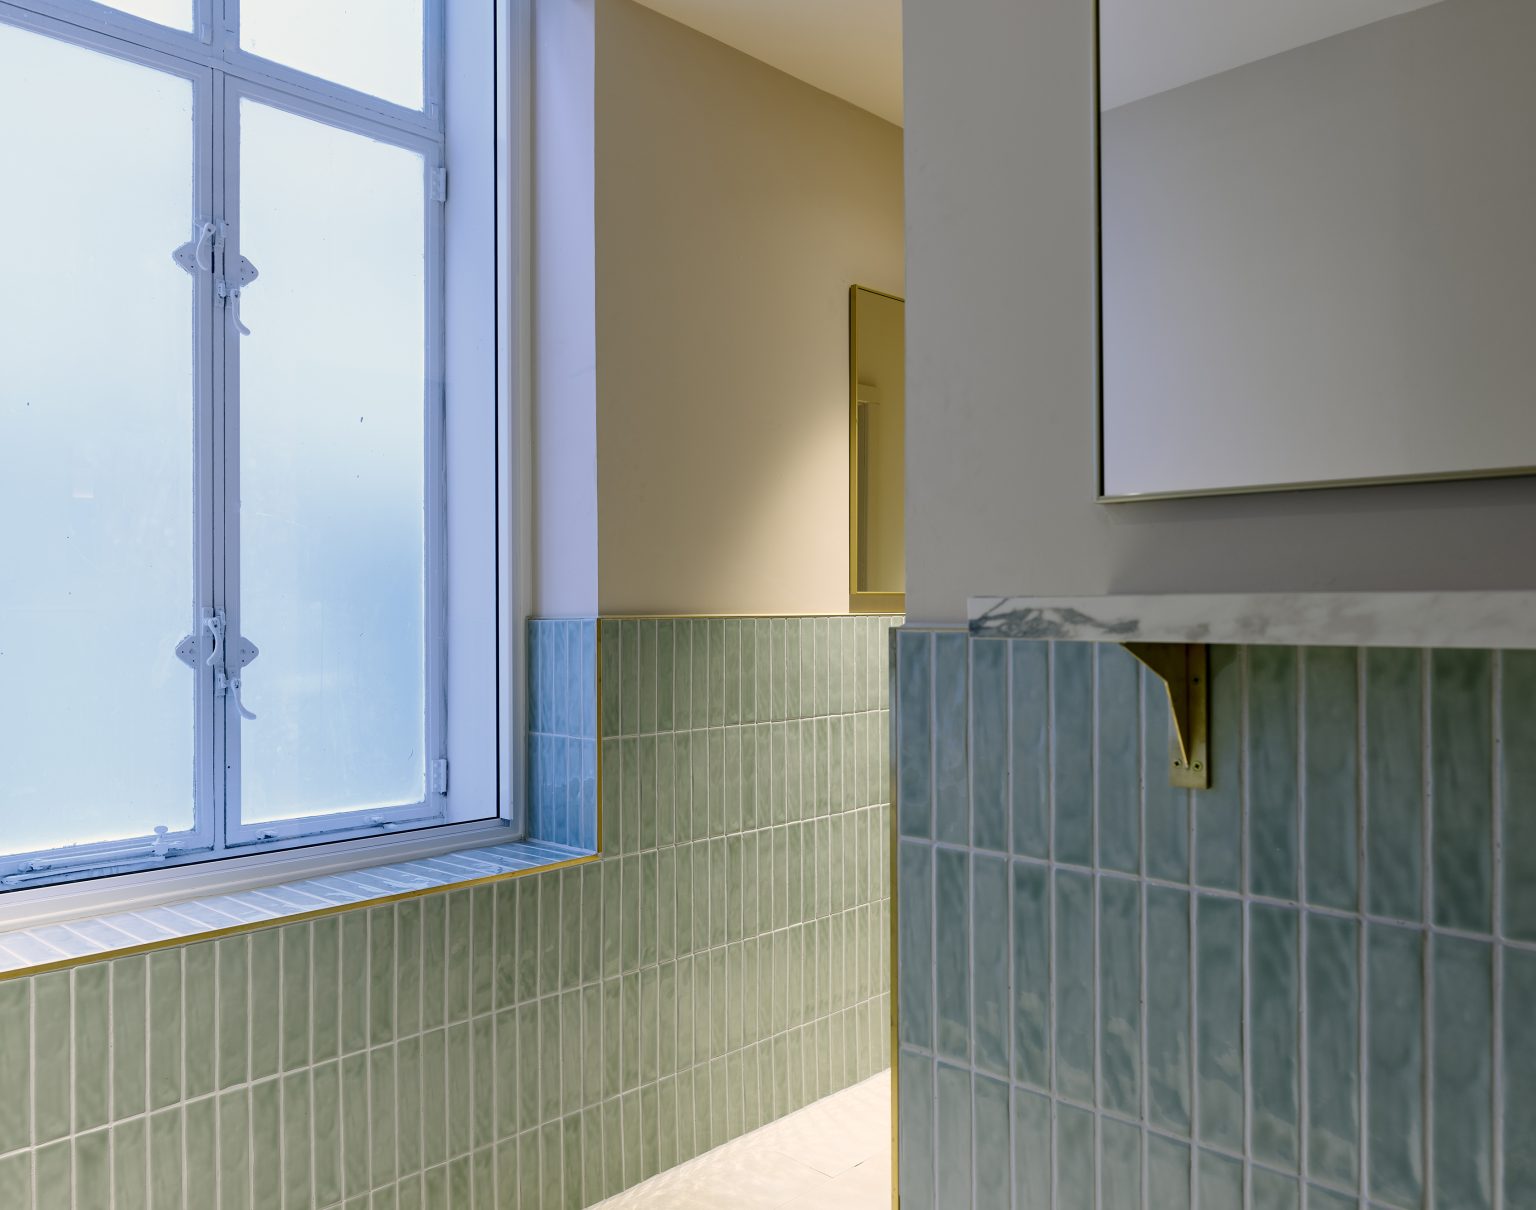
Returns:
(1000,367)
(735,205)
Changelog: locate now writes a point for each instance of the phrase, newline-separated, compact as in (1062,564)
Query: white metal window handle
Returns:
(226,674)
(229,292)
(234,311)
(197,254)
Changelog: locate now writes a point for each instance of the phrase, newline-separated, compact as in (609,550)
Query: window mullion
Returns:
(223,453)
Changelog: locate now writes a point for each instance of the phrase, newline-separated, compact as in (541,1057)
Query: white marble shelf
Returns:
(1372,619)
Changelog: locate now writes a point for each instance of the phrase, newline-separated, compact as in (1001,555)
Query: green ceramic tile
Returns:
(355,1154)
(1272,791)
(1221,1182)
(1072,750)
(353,990)
(164,1028)
(1031,973)
(266,1116)
(1333,1049)
(1462,788)
(1030,785)
(326,1139)
(129,1167)
(54,1184)
(1518,780)
(1032,1151)
(93,1169)
(1075,1159)
(1394,780)
(1274,1010)
(989,745)
(129,979)
(629,678)
(1074,976)
(1463,1076)
(1167,1172)
(15,1062)
(234,1135)
(1518,1113)
(50,1057)
(993,1144)
(265,1013)
(1319,1198)
(915,909)
(1395,1071)
(714,632)
(294,982)
(1168,1005)
(1331,722)
(1219,1008)
(91,1046)
(609,683)
(1219,810)
(456,961)
(1271,1191)
(953,1159)
(1119,757)
(952,950)
(296,1138)
(1120,996)
(645,677)
(1119,1165)
(951,797)
(16,1180)
(989,967)
(1166,822)
(165,1160)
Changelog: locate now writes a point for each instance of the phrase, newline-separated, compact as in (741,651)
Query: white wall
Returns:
(735,206)
(1001,357)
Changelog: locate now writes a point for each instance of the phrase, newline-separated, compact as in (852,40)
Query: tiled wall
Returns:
(562,731)
(1311,986)
(541,1042)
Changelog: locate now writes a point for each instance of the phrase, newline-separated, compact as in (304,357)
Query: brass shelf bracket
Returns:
(1184,670)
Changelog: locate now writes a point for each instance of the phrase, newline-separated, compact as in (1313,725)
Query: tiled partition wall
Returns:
(540,1042)
(1312,986)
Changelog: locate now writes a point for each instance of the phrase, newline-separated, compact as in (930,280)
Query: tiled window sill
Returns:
(57,946)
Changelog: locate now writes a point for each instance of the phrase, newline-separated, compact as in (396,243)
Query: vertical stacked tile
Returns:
(540,1042)
(1309,985)
(562,731)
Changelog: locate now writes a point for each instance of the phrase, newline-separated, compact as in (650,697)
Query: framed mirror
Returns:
(1317,245)
(877,422)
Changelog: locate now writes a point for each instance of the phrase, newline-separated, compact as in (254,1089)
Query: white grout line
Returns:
(1362,932)
(1427,952)
(1496,764)
(1143,946)
(1094,886)
(1303,933)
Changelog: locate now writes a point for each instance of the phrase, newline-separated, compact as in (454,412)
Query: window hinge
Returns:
(440,776)
(440,185)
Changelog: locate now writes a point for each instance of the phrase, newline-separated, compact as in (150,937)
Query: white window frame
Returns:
(476,241)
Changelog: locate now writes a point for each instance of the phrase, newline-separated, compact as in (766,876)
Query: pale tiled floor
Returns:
(833,1155)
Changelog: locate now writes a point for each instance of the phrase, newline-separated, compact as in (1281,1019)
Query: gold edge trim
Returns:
(893,722)
(254,926)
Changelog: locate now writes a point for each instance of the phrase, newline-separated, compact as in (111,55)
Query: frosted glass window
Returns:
(332,456)
(175,13)
(373,46)
(96,447)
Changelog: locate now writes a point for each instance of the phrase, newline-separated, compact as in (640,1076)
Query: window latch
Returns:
(226,672)
(229,292)
(197,254)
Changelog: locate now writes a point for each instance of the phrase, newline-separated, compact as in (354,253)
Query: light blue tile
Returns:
(954,1136)
(1119,760)
(1394,782)
(1167,1172)
(994,1125)
(914,693)
(1120,996)
(1072,750)
(951,780)
(1272,809)
(1221,1182)
(1031,1150)
(1074,1159)
(1333,1049)
(1219,810)
(1271,1191)
(989,744)
(1167,807)
(1519,1108)
(1074,1013)
(989,970)
(1332,776)
(1120,1165)
(1030,696)
(1463,1062)
(1168,1018)
(1461,784)
(1219,1050)
(952,953)
(1031,973)
(1395,1070)
(917,1131)
(1518,773)
(1274,1012)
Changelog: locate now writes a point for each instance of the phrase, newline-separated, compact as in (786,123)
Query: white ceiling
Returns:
(850,48)
(1150,46)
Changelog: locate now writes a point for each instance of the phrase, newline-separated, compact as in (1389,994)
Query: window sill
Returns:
(159,921)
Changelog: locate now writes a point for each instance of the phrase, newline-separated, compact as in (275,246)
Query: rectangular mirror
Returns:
(877,451)
(1318,263)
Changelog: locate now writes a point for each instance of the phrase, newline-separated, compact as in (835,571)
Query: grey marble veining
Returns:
(1385,619)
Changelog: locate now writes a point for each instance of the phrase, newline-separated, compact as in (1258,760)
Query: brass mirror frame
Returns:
(860,601)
